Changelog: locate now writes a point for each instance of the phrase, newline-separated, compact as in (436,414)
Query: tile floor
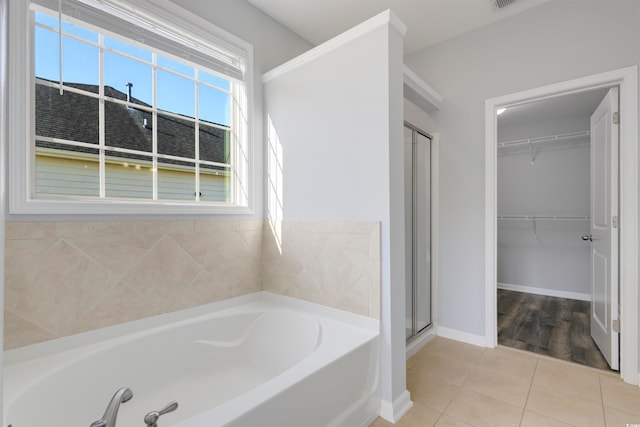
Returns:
(454,384)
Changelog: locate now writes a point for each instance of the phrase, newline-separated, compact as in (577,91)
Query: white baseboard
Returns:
(370,420)
(423,339)
(457,335)
(393,411)
(547,292)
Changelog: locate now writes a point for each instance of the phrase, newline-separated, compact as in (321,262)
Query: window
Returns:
(131,112)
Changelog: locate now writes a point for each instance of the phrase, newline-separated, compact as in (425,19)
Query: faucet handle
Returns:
(151,419)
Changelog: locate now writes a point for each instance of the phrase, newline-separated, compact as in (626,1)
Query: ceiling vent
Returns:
(503,3)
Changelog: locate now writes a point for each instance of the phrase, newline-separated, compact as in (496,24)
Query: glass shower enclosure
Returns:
(417,156)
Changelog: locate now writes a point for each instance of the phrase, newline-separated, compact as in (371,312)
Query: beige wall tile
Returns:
(163,227)
(29,230)
(162,273)
(63,285)
(85,229)
(324,262)
(208,226)
(23,254)
(102,273)
(118,252)
(355,298)
(375,293)
(20,332)
(374,243)
(248,225)
(203,289)
(120,305)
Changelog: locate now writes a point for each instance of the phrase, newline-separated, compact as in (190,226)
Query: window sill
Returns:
(34,207)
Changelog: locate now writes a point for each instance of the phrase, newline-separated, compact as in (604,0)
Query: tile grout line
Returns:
(604,415)
(526,402)
(459,389)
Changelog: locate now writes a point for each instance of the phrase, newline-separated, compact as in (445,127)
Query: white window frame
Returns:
(21,122)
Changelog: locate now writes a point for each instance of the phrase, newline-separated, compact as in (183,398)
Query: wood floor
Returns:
(556,327)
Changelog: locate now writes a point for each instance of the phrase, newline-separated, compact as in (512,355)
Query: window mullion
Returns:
(154,126)
(60,44)
(101,120)
(233,148)
(197,137)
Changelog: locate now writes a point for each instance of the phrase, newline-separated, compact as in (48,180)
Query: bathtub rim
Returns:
(128,330)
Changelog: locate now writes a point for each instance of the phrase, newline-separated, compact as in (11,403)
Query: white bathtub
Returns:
(259,360)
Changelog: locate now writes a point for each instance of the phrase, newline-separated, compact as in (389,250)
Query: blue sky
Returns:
(80,63)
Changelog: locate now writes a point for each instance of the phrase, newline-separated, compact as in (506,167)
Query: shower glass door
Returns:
(417,155)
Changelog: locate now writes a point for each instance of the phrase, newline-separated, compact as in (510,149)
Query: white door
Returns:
(604,231)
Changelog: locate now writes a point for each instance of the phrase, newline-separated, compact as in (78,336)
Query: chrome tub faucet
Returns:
(123,395)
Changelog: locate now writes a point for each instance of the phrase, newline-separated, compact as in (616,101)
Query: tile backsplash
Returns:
(330,263)
(67,277)
(63,278)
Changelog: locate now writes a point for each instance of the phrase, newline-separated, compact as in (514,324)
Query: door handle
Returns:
(587,237)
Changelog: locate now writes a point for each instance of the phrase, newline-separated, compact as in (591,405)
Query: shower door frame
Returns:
(416,333)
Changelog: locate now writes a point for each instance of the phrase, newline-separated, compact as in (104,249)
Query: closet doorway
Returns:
(557,210)
(417,155)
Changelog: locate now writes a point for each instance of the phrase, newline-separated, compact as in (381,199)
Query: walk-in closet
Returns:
(545,204)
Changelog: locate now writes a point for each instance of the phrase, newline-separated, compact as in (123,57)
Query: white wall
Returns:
(273,44)
(332,120)
(421,119)
(558,41)
(335,133)
(556,183)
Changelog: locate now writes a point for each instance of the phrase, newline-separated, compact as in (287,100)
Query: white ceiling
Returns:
(428,21)
(581,104)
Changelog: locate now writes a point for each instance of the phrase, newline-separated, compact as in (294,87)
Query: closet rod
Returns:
(543,217)
(550,138)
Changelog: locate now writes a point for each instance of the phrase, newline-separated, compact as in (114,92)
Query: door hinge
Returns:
(615,325)
(616,118)
(614,221)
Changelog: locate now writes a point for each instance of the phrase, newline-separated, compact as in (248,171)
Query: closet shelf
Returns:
(550,138)
(544,217)
(534,218)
